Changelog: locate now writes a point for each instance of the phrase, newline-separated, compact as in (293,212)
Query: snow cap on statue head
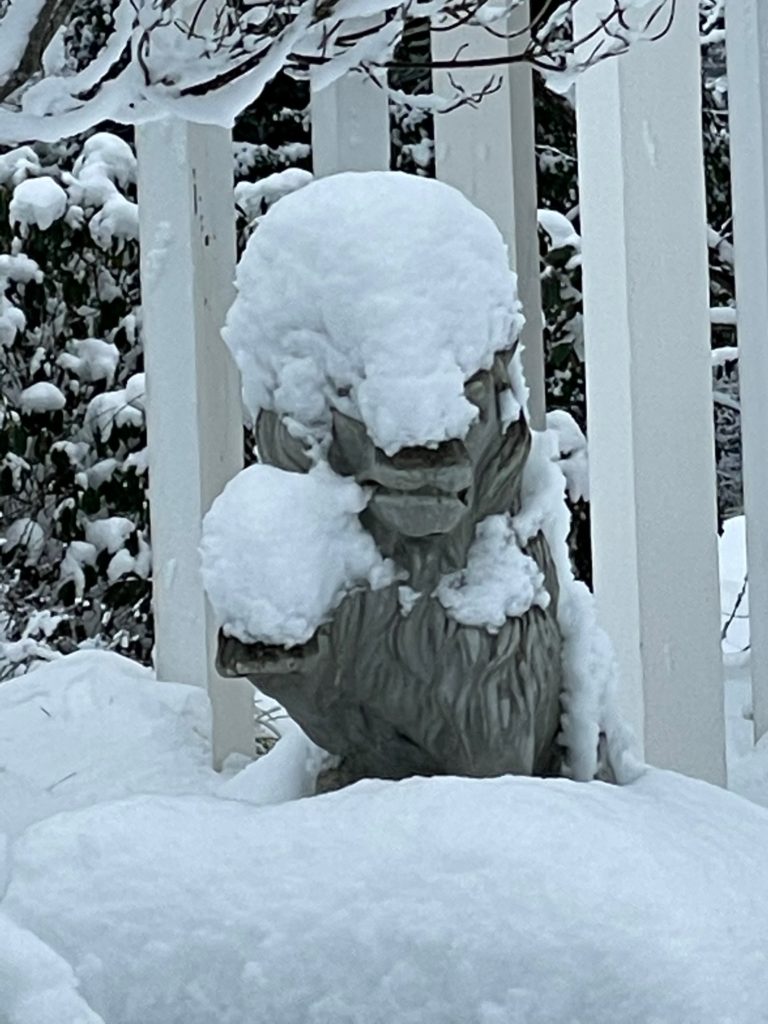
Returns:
(379,295)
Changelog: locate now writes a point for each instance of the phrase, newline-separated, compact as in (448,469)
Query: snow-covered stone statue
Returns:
(394,572)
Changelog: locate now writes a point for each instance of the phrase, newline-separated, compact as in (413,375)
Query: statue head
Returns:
(376,296)
(376,330)
(433,488)
(428,492)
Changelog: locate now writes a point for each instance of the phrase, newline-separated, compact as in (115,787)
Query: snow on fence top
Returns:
(359,320)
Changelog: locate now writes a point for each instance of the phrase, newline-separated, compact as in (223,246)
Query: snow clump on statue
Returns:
(280,550)
(499,582)
(386,331)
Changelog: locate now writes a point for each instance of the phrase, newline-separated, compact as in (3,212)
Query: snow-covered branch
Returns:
(210,59)
(26,30)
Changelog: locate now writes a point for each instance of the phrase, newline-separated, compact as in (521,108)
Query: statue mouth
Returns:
(236,658)
(420,512)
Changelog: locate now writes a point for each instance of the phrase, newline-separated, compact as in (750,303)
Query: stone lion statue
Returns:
(415,677)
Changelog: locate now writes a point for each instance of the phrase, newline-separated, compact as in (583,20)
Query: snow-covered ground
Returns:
(142,888)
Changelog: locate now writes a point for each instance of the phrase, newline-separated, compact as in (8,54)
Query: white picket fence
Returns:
(646,307)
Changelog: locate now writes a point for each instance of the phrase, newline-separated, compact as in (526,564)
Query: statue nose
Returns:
(446,467)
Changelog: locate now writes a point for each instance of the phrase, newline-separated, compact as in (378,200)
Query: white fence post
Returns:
(350,126)
(747,42)
(649,390)
(488,153)
(193,408)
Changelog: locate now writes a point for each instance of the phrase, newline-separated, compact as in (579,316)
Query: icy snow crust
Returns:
(326,316)
(280,550)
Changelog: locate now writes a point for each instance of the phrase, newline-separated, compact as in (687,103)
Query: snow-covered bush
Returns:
(73,463)
(725,370)
(73,479)
(72,458)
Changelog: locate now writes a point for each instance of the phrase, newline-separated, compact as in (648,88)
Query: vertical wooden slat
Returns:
(649,388)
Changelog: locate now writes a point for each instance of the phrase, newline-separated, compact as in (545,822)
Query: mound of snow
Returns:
(574,454)
(254,197)
(441,901)
(36,985)
(38,202)
(431,901)
(378,293)
(42,397)
(280,550)
(91,359)
(95,726)
(286,772)
(109,534)
(560,230)
(28,535)
(105,162)
(17,164)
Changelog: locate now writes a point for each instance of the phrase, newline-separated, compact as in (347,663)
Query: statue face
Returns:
(422,491)
(416,491)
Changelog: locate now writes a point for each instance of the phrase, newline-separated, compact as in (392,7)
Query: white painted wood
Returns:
(488,153)
(350,126)
(747,41)
(193,407)
(649,387)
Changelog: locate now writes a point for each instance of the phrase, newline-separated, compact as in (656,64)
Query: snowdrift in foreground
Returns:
(36,985)
(168,895)
(443,901)
(94,726)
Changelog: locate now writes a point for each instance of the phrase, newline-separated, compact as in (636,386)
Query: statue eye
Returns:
(344,391)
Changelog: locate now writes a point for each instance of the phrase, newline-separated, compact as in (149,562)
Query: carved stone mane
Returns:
(392,684)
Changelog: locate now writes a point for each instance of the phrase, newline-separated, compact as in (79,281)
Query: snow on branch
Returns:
(209,59)
(27,29)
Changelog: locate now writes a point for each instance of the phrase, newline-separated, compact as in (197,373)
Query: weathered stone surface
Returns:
(397,688)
